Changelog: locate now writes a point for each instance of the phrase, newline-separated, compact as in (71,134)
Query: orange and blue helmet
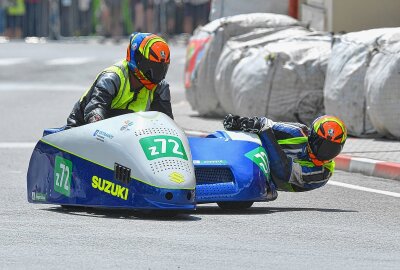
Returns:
(327,137)
(149,54)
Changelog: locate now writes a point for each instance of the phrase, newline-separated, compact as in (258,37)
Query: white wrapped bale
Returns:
(383,86)
(285,81)
(200,91)
(236,49)
(344,91)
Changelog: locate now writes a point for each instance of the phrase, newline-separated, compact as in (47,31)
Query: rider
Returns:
(301,159)
(131,85)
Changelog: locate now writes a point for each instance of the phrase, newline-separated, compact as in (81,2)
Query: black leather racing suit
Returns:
(97,101)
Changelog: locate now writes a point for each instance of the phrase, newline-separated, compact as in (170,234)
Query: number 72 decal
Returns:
(62,176)
(163,146)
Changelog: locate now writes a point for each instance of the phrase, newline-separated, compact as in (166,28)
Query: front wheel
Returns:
(235,205)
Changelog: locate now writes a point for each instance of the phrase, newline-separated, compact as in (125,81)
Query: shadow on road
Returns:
(215,210)
(181,216)
(124,213)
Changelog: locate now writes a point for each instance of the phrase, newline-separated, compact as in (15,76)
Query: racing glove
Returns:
(94,118)
(232,122)
(253,124)
(256,124)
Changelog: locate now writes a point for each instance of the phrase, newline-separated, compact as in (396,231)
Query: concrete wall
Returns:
(223,8)
(350,15)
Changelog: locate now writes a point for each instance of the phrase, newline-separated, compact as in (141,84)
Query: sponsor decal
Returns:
(163,147)
(210,162)
(62,176)
(102,135)
(196,49)
(176,177)
(126,125)
(38,197)
(260,158)
(110,187)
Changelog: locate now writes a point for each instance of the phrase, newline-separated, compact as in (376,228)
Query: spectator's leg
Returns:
(179,15)
(38,17)
(105,20)
(18,28)
(139,18)
(149,16)
(171,17)
(188,18)
(202,13)
(54,19)
(10,26)
(156,16)
(163,18)
(2,21)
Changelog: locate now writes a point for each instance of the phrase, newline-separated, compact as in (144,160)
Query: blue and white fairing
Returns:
(230,166)
(138,161)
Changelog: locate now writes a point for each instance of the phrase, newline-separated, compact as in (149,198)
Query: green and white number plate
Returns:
(62,176)
(163,146)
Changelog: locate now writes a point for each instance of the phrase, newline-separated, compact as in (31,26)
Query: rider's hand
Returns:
(253,124)
(232,122)
(95,118)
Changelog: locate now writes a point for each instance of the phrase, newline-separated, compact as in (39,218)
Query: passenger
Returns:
(301,159)
(131,85)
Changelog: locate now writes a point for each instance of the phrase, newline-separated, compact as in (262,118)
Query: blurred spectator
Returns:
(149,15)
(2,16)
(84,17)
(127,18)
(112,19)
(138,14)
(15,12)
(164,17)
(32,22)
(196,13)
(66,18)
(109,18)
(54,19)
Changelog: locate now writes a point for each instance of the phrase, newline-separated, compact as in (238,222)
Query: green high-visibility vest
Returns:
(124,97)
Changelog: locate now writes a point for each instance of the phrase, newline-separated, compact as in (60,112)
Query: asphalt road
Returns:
(332,228)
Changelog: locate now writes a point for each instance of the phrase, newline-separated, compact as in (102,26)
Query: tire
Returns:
(235,205)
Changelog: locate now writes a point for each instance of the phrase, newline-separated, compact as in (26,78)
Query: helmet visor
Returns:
(324,149)
(154,71)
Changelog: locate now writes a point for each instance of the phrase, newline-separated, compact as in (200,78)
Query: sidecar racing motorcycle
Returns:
(144,161)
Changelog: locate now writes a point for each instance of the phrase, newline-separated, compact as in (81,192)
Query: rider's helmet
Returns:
(148,55)
(326,139)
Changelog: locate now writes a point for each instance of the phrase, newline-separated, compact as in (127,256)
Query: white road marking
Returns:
(14,145)
(41,87)
(13,61)
(69,61)
(340,184)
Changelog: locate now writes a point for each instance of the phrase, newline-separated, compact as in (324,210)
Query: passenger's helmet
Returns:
(149,54)
(327,137)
